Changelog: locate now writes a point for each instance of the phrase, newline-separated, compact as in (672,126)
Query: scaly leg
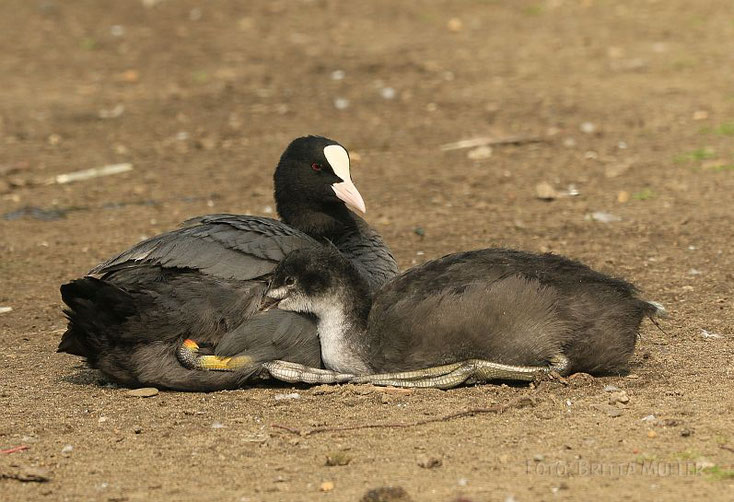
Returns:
(470,371)
(298,373)
(188,356)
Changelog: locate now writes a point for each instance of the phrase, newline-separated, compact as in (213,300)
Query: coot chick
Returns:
(206,281)
(467,317)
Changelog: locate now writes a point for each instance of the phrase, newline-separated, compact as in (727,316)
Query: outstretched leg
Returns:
(470,371)
(441,377)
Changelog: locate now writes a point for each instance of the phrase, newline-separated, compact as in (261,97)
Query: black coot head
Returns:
(314,173)
(307,278)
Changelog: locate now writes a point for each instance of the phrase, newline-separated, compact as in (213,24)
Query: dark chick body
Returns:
(206,281)
(528,311)
(506,306)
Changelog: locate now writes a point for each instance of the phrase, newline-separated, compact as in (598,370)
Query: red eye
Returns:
(315,167)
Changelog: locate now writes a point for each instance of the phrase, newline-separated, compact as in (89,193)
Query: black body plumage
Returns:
(206,280)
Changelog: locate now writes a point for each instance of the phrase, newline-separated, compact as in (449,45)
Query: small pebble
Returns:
(463,482)
(388,93)
(117,30)
(652,434)
(686,433)
(5,310)
(338,458)
(455,25)
(619,397)
(66,450)
(649,418)
(545,191)
(480,153)
(341,103)
(428,462)
(143,392)
(137,429)
(569,142)
(604,217)
(338,75)
(326,486)
(587,128)
(538,458)
(623,197)
(611,388)
(217,425)
(707,334)
(291,395)
(700,115)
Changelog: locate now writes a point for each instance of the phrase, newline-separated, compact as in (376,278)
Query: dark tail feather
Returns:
(93,307)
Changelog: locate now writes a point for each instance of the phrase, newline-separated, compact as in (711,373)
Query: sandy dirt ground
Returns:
(633,104)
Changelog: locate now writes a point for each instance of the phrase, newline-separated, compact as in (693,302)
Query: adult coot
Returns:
(206,281)
(467,317)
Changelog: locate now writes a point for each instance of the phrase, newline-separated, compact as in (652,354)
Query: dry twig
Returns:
(489,140)
(520,402)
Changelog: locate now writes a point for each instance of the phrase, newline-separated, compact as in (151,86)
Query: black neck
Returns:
(328,220)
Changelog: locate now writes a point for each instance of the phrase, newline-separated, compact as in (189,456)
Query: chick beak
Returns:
(268,302)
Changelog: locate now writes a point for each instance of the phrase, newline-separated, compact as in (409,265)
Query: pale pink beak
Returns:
(347,192)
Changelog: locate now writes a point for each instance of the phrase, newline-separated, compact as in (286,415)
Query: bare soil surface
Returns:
(634,105)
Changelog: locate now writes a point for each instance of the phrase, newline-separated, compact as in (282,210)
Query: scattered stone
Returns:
(603,217)
(338,458)
(587,128)
(142,392)
(102,420)
(419,231)
(218,425)
(388,93)
(686,433)
(619,397)
(623,197)
(545,191)
(326,486)
(611,388)
(569,142)
(455,25)
(694,271)
(538,457)
(652,434)
(341,103)
(428,462)
(137,429)
(338,75)
(707,334)
(480,153)
(111,113)
(611,411)
(291,395)
(5,310)
(54,139)
(462,482)
(649,418)
(386,494)
(66,450)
